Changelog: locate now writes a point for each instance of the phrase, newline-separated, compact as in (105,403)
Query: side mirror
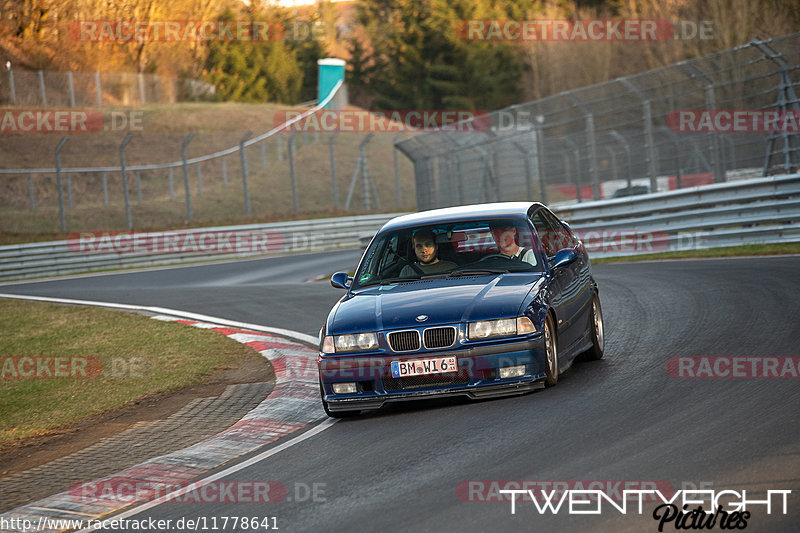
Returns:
(563,257)
(340,280)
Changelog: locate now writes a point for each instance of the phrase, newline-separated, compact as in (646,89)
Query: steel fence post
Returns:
(398,192)
(711,104)
(787,102)
(69,190)
(539,132)
(71,89)
(30,191)
(199,179)
(186,142)
(613,156)
(618,136)
(138,186)
(291,170)
(42,92)
(577,152)
(12,87)
(105,188)
(141,88)
(243,158)
(125,180)
(333,169)
(647,119)
(58,183)
(171,184)
(528,177)
(224,171)
(97,89)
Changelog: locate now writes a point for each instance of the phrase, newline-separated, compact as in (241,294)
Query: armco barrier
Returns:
(759,211)
(67,257)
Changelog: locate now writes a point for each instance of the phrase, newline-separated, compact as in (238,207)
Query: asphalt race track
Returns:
(622,418)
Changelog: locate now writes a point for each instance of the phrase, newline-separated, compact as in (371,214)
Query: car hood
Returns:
(442,300)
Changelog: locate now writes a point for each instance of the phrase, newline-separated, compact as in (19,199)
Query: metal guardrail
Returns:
(764,210)
(758,211)
(118,250)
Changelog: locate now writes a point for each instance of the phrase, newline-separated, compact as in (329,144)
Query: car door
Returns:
(578,286)
(560,279)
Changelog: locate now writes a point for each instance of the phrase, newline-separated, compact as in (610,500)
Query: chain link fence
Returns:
(722,117)
(73,89)
(277,174)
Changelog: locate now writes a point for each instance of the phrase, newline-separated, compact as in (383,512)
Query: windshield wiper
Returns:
(470,271)
(397,280)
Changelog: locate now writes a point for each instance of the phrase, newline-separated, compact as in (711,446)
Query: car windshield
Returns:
(447,250)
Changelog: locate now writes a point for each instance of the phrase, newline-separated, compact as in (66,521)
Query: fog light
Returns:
(344,388)
(512,371)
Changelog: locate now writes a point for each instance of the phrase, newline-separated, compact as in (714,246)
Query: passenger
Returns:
(427,252)
(505,236)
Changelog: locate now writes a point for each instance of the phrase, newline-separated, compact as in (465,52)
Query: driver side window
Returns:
(561,237)
(545,233)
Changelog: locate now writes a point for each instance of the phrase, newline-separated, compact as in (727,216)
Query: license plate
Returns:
(419,367)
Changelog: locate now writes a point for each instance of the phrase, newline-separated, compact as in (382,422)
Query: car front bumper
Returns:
(477,376)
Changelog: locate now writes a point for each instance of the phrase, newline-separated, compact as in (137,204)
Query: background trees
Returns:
(401,54)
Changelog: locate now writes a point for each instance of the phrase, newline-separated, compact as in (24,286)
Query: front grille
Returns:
(404,341)
(439,337)
(417,382)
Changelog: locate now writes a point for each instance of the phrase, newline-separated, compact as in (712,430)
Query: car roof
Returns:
(463,213)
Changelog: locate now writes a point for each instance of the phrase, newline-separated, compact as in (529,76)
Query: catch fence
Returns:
(727,116)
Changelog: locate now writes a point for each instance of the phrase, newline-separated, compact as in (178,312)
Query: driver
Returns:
(505,236)
(427,252)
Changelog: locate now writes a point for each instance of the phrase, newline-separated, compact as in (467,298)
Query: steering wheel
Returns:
(414,266)
(491,256)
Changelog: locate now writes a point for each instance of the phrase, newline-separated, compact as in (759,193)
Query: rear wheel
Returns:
(598,331)
(551,352)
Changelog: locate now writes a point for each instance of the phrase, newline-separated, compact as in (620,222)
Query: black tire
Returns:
(335,414)
(595,353)
(551,353)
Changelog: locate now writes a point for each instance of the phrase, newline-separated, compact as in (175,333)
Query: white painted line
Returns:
(230,470)
(68,511)
(313,341)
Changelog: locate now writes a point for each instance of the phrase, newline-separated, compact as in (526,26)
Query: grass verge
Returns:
(727,251)
(106,359)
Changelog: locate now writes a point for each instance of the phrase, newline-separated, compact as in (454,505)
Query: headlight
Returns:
(355,342)
(492,328)
(501,328)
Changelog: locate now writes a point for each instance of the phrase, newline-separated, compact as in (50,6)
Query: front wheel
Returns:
(598,331)
(551,353)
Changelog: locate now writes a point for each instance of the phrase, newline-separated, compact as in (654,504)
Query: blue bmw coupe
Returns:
(477,301)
